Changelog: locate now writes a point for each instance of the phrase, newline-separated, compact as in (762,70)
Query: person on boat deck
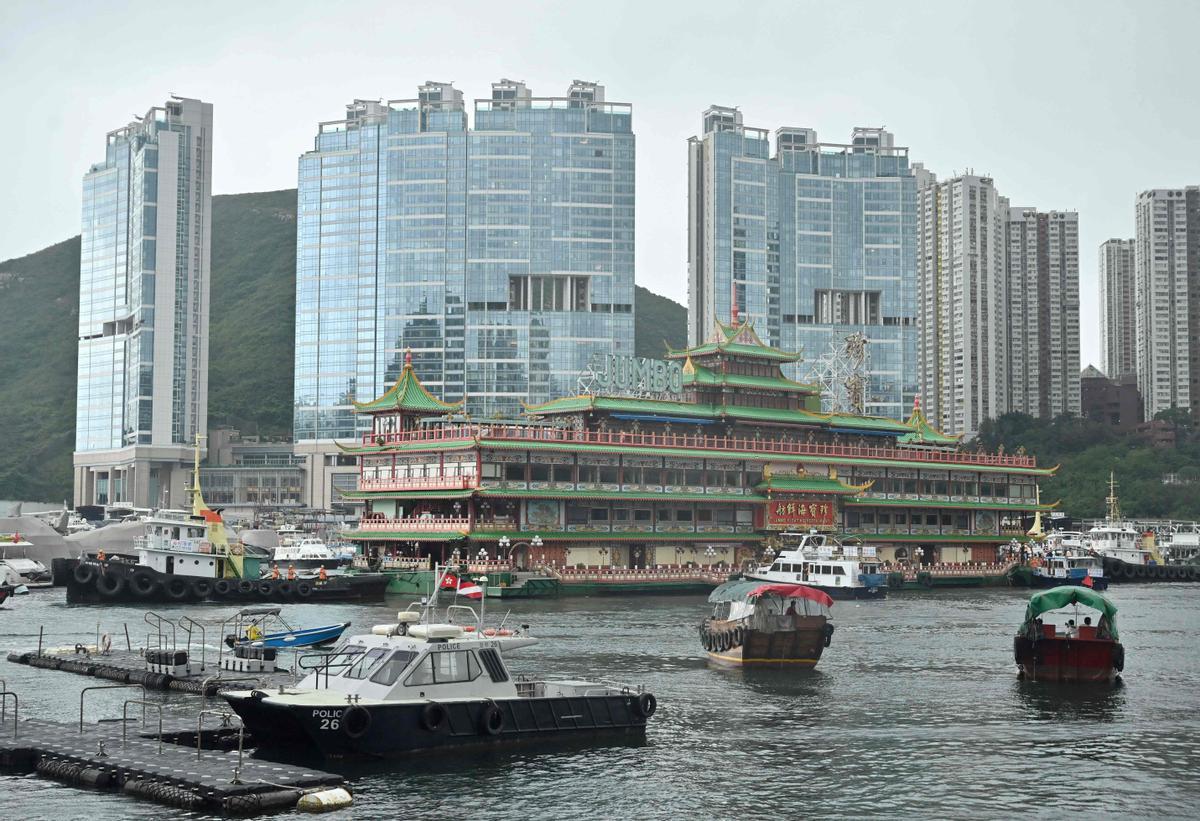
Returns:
(274,571)
(321,574)
(791,611)
(291,572)
(1103,631)
(1072,630)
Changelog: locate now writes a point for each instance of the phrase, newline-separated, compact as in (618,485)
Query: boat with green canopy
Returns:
(1058,642)
(757,624)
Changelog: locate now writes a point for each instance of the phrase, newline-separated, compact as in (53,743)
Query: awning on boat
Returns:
(743,590)
(1059,597)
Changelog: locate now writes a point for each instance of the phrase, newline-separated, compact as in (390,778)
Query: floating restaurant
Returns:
(704,461)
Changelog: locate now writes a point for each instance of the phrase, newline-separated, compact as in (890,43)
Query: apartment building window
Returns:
(548,293)
(838,307)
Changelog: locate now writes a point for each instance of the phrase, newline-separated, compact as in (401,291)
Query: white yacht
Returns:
(844,570)
(308,555)
(421,684)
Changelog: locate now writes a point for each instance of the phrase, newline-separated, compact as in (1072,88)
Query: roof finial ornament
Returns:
(408,357)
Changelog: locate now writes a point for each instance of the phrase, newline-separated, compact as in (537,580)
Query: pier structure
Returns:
(701,465)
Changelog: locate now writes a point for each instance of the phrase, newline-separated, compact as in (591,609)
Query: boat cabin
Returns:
(179,546)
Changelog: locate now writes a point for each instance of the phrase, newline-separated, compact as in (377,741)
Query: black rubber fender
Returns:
(356,721)
(645,705)
(201,588)
(1119,657)
(142,582)
(110,585)
(433,717)
(266,588)
(303,590)
(177,588)
(245,586)
(828,633)
(223,587)
(491,719)
(84,573)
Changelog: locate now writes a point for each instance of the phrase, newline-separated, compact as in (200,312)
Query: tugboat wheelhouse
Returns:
(710,476)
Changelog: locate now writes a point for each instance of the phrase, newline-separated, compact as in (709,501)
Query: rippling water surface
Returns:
(914,711)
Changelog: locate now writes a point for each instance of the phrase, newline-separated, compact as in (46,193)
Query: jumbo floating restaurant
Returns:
(708,477)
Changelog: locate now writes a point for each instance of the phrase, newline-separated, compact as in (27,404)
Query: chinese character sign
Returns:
(800,513)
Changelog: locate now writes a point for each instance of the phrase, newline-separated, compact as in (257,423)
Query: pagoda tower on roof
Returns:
(407,401)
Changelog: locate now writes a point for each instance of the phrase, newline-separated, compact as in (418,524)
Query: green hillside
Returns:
(250,349)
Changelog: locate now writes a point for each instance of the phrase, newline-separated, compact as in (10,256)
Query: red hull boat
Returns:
(1085,653)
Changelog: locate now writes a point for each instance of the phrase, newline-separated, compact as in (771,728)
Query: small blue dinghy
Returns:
(265,627)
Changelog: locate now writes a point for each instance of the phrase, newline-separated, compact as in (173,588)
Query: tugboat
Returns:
(843,570)
(188,557)
(1064,649)
(767,625)
(421,684)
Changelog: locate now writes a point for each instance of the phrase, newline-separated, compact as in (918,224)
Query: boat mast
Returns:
(1114,509)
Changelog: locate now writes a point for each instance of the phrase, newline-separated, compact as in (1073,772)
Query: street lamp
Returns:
(503,544)
(482,556)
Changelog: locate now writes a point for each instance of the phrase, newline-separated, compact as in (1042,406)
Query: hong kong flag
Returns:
(464,587)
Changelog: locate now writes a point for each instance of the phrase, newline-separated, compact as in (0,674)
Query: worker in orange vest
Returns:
(274,571)
(321,574)
(291,572)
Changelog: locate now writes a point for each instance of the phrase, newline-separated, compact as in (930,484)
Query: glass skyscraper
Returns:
(501,254)
(142,391)
(812,243)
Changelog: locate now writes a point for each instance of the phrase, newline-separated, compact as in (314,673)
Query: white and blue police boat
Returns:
(843,569)
(420,684)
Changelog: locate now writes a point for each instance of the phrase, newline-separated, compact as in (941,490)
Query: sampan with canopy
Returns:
(745,597)
(1058,597)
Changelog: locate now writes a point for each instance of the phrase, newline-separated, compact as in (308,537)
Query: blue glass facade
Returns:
(815,242)
(500,255)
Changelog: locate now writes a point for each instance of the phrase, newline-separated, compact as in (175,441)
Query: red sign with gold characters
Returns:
(800,513)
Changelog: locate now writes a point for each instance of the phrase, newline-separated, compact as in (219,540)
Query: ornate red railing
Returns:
(419,483)
(687,441)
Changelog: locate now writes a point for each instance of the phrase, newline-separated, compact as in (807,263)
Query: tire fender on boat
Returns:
(223,587)
(433,717)
(142,582)
(828,631)
(491,720)
(1119,657)
(201,588)
(303,589)
(356,721)
(177,588)
(84,573)
(245,586)
(645,705)
(109,584)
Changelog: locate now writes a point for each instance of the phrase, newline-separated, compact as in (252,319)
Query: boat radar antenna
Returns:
(1114,507)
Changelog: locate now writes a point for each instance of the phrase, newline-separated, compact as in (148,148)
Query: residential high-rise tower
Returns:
(1118,325)
(814,243)
(143,308)
(499,253)
(1167,298)
(1042,287)
(963,301)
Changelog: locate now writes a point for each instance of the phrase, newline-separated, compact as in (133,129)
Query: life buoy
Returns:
(142,582)
(303,590)
(489,632)
(491,720)
(356,721)
(84,573)
(109,584)
(177,588)
(504,631)
(222,587)
(201,588)
(645,705)
(433,717)
(468,628)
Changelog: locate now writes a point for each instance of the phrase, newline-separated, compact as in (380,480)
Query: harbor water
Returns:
(914,711)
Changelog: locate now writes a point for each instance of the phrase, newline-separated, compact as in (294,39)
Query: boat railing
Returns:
(689,441)
(158,634)
(334,663)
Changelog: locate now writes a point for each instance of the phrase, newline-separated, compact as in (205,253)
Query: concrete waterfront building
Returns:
(1167,298)
(962,301)
(500,253)
(813,242)
(1043,312)
(1118,325)
(143,308)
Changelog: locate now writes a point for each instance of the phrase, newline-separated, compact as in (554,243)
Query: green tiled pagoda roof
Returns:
(792,483)
(694,374)
(407,394)
(740,340)
(923,432)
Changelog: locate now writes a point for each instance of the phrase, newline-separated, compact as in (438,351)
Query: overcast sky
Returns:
(1068,105)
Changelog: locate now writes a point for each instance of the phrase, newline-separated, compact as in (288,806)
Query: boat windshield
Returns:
(365,664)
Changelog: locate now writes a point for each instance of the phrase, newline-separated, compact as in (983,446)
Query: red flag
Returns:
(449,582)
(1087,581)
(463,587)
